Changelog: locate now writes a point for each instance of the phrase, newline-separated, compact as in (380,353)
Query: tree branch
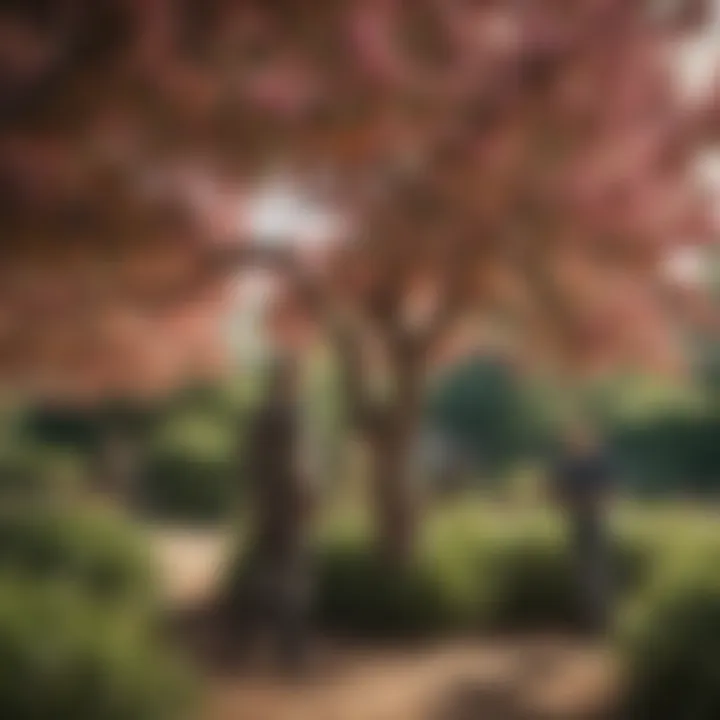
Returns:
(345,339)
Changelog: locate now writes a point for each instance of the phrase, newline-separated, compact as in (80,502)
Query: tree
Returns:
(107,282)
(484,407)
(529,163)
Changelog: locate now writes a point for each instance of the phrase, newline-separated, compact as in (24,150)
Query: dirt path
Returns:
(190,562)
(540,679)
(519,680)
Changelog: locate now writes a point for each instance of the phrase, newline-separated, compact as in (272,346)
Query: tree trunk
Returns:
(395,501)
(388,430)
(394,487)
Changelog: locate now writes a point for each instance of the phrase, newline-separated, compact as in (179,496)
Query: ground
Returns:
(550,678)
(546,679)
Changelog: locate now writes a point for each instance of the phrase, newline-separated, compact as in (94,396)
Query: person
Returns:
(274,593)
(583,485)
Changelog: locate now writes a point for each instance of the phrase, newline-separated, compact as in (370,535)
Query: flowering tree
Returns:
(530,164)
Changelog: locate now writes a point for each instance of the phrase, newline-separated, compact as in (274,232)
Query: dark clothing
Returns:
(584,481)
(275,599)
(275,592)
(279,496)
(592,568)
(583,484)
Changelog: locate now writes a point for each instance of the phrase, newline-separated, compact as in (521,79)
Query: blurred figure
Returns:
(583,481)
(275,590)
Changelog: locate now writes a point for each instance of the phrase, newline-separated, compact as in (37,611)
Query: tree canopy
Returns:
(534,160)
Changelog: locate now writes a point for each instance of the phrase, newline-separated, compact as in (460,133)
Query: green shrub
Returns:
(471,572)
(97,552)
(359,594)
(79,625)
(530,578)
(671,643)
(20,476)
(673,453)
(485,408)
(65,656)
(479,570)
(35,473)
(188,489)
(191,471)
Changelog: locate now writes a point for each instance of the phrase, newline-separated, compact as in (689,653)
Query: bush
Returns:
(19,474)
(181,488)
(192,470)
(459,581)
(530,577)
(79,625)
(98,553)
(672,644)
(35,473)
(484,407)
(64,656)
(673,453)
(472,572)
(478,570)
(359,594)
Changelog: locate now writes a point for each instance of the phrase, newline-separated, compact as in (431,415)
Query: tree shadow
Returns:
(507,697)
(475,700)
